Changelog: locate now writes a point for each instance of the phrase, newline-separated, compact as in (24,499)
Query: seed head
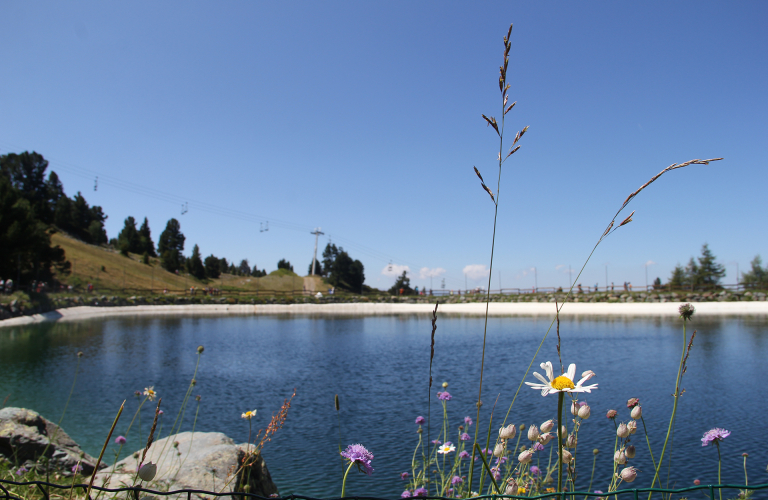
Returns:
(545,438)
(575,408)
(632,426)
(547,426)
(570,441)
(628,474)
(567,457)
(512,487)
(525,457)
(200,349)
(611,414)
(508,432)
(620,457)
(622,431)
(686,311)
(533,433)
(636,412)
(585,412)
(630,451)
(148,471)
(445,385)
(499,449)
(595,451)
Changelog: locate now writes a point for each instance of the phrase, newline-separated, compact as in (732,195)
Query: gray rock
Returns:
(207,461)
(27,436)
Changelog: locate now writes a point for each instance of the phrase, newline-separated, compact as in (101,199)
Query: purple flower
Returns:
(357,454)
(120,440)
(160,412)
(420,420)
(464,454)
(598,492)
(405,494)
(448,443)
(77,468)
(468,421)
(436,441)
(21,470)
(535,471)
(444,396)
(404,476)
(420,492)
(537,446)
(501,460)
(714,436)
(496,473)
(456,480)
(464,437)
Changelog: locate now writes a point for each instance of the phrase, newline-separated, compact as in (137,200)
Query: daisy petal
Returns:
(541,378)
(571,371)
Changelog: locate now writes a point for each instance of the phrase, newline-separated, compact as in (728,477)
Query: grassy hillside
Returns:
(107,268)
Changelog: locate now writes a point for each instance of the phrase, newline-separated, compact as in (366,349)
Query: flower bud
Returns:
(545,438)
(595,451)
(499,449)
(632,402)
(570,441)
(533,433)
(511,487)
(611,414)
(575,408)
(521,427)
(567,457)
(200,349)
(632,426)
(584,412)
(525,457)
(628,474)
(636,412)
(445,385)
(508,432)
(622,431)
(148,471)
(547,426)
(629,451)
(564,430)
(620,457)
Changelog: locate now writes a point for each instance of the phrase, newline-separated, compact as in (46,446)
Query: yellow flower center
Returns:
(562,382)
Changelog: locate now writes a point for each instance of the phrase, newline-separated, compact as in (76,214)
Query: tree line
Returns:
(705,272)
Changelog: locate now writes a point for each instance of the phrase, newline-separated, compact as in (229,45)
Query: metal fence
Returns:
(46,487)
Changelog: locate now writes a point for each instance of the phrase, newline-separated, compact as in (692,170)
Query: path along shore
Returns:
(665,309)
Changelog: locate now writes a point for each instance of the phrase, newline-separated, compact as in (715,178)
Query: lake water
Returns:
(379,367)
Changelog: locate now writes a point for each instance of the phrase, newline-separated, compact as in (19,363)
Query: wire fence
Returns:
(133,492)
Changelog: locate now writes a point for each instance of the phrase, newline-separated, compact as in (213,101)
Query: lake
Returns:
(379,366)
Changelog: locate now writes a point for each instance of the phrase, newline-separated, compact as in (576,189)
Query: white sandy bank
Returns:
(474,309)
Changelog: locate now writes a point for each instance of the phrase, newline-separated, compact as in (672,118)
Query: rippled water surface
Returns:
(379,367)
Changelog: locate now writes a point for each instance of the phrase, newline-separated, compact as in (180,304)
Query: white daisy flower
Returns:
(446,448)
(563,383)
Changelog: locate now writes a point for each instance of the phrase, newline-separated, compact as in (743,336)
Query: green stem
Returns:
(594,461)
(560,441)
(344,482)
(719,481)
(674,411)
(746,480)
(648,441)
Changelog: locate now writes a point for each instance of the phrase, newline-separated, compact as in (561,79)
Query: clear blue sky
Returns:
(363,118)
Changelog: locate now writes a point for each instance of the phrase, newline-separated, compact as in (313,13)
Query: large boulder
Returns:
(208,461)
(26,437)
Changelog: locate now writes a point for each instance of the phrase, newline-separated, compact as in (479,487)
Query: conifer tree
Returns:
(195,264)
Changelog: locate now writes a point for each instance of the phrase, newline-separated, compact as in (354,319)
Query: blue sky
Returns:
(363,119)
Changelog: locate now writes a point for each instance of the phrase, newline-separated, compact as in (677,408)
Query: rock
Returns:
(25,436)
(202,461)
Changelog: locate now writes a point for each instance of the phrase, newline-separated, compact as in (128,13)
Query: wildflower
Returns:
(468,421)
(611,414)
(160,412)
(21,471)
(563,383)
(436,441)
(545,438)
(512,487)
(150,393)
(200,349)
(405,494)
(496,473)
(628,474)
(714,436)
(420,420)
(456,480)
(464,454)
(630,451)
(120,440)
(570,441)
(445,385)
(357,454)
(595,451)
(501,460)
(148,471)
(620,457)
(533,433)
(547,426)
(575,407)
(567,457)
(444,396)
(464,437)
(499,449)
(199,397)
(622,431)
(585,411)
(446,448)
(535,471)
(525,457)
(696,482)
(508,432)
(632,402)
(77,468)
(636,412)
(249,415)
(420,492)
(404,476)
(686,311)
(632,426)
(137,393)
(537,447)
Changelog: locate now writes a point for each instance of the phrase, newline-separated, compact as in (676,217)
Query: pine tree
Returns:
(678,278)
(195,264)
(709,271)
(318,268)
(757,277)
(284,264)
(128,239)
(212,266)
(403,283)
(145,239)
(170,246)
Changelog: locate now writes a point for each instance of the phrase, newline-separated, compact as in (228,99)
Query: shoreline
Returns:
(664,309)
